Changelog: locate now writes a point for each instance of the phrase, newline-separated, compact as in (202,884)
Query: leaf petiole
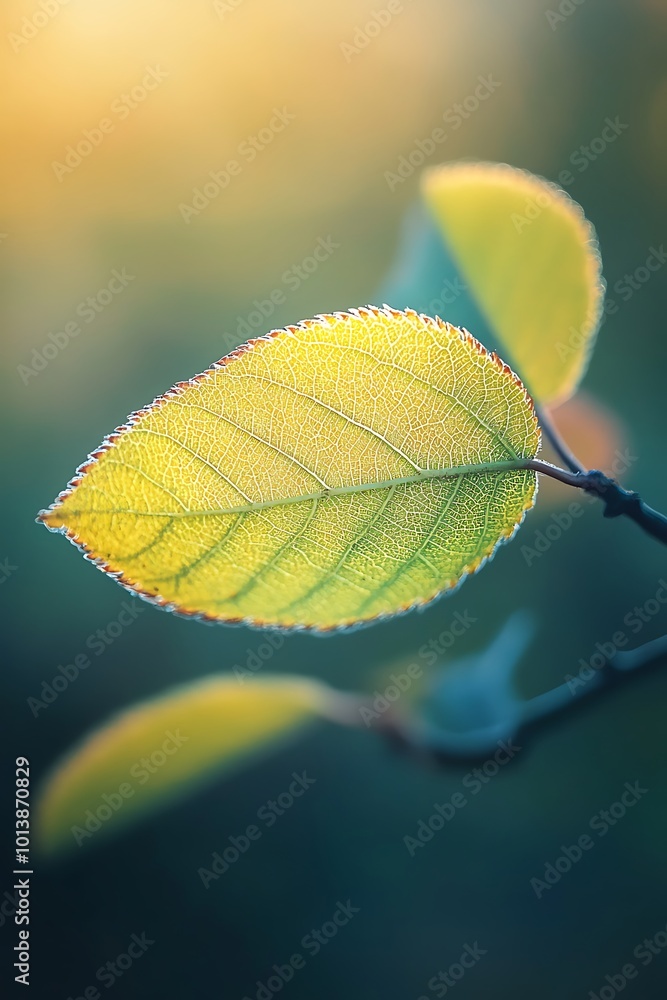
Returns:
(618,502)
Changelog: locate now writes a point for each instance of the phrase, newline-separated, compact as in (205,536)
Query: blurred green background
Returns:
(360,103)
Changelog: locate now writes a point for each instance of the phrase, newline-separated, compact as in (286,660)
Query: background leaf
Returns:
(528,254)
(162,749)
(350,467)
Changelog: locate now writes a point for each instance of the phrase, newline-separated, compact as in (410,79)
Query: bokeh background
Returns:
(224,69)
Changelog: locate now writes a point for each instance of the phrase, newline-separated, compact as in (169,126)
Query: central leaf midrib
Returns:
(484,468)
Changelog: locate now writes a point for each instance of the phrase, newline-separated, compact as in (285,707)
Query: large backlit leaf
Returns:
(531,259)
(164,748)
(349,467)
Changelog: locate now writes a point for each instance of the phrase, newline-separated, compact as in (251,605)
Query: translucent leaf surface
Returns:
(530,257)
(349,467)
(163,748)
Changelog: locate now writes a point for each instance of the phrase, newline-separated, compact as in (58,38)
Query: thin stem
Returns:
(618,502)
(576,479)
(620,667)
(557,443)
(450,747)
(626,660)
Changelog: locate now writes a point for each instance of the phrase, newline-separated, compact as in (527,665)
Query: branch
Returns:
(442,746)
(620,668)
(618,502)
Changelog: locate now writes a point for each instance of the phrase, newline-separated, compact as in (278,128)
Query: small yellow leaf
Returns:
(350,467)
(531,259)
(164,748)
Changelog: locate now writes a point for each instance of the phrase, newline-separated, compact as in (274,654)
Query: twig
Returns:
(449,747)
(557,443)
(618,502)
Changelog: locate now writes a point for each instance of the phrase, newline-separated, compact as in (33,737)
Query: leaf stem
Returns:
(557,443)
(450,747)
(619,668)
(617,501)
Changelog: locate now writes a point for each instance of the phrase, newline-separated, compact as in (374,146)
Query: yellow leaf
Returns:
(349,467)
(531,259)
(162,749)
